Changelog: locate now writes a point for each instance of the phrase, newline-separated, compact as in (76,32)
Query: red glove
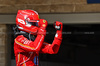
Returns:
(58,25)
(43,23)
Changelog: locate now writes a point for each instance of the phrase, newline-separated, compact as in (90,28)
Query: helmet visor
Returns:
(33,22)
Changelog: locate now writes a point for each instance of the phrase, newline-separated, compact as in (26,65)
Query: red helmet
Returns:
(28,21)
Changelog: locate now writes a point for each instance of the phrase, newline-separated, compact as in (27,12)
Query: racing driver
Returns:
(30,32)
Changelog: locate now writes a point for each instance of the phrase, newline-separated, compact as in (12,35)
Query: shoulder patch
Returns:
(44,21)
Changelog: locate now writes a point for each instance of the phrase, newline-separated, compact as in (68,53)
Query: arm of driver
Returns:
(54,47)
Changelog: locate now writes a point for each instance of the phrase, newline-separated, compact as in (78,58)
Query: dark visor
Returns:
(33,22)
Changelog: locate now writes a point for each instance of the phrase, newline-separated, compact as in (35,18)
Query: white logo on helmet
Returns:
(21,21)
(25,16)
(27,13)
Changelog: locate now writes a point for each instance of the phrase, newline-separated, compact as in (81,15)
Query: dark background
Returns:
(80,45)
(93,1)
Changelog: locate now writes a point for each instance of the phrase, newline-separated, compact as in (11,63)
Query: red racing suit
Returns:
(27,51)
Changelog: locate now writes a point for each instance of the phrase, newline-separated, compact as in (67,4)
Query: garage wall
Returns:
(3,51)
(48,6)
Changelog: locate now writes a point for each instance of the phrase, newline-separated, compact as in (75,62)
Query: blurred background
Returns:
(81,31)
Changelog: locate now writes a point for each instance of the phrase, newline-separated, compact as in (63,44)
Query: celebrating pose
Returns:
(30,34)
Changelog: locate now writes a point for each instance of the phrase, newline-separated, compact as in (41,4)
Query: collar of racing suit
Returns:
(25,34)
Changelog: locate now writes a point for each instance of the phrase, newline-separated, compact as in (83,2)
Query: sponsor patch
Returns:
(44,21)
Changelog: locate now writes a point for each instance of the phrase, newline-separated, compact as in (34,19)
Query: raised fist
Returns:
(43,23)
(58,25)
